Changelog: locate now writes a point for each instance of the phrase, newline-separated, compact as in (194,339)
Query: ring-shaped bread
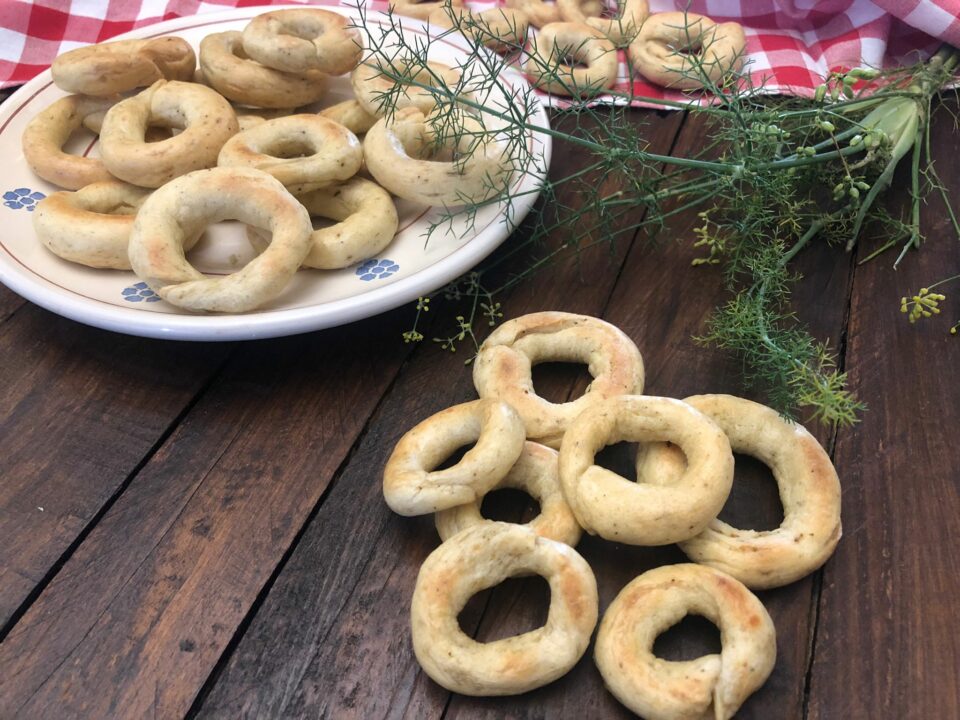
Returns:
(366,223)
(411,485)
(352,115)
(92,225)
(712,686)
(421,9)
(45,135)
(207,119)
(662,49)
(537,473)
(498,28)
(809,490)
(301,39)
(503,368)
(231,73)
(559,40)
(621,29)
(639,513)
(114,67)
(541,13)
(370,82)
(481,557)
(304,151)
(392,151)
(186,205)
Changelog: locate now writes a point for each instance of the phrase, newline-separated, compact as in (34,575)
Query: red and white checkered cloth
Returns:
(791,44)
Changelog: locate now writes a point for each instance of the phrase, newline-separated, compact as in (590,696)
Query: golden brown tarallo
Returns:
(596,56)
(621,30)
(302,39)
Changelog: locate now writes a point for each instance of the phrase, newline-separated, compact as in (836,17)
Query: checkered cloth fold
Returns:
(791,44)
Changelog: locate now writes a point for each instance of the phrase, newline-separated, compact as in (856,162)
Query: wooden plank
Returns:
(10,302)
(887,641)
(332,637)
(661,302)
(79,410)
(137,618)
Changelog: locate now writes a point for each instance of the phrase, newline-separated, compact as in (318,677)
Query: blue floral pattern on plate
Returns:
(376,269)
(140,292)
(22,198)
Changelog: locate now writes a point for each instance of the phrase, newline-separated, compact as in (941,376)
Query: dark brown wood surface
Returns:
(190,529)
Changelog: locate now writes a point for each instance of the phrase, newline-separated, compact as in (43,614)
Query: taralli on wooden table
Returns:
(185,206)
(46,134)
(208,120)
(536,472)
(391,152)
(478,558)
(809,490)
(712,686)
(231,73)
(367,223)
(352,115)
(500,29)
(411,485)
(546,67)
(115,67)
(639,513)
(302,39)
(421,9)
(621,30)
(503,368)
(661,50)
(304,151)
(370,83)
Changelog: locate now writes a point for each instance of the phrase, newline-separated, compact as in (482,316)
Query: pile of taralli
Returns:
(684,476)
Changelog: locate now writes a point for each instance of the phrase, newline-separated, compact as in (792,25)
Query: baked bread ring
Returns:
(660,50)
(500,29)
(186,205)
(303,151)
(640,513)
(208,122)
(303,39)
(391,151)
(421,9)
(503,367)
(115,67)
(231,73)
(556,41)
(541,13)
(712,686)
(536,472)
(411,486)
(45,135)
(367,223)
(92,225)
(809,490)
(621,29)
(351,115)
(481,557)
(369,85)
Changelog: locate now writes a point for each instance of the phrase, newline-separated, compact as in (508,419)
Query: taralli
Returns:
(420,8)
(304,151)
(352,115)
(639,513)
(207,119)
(712,686)
(661,50)
(370,83)
(504,363)
(556,41)
(367,223)
(500,29)
(115,67)
(536,472)
(392,155)
(231,73)
(45,135)
(92,225)
(303,39)
(621,29)
(411,486)
(481,557)
(809,490)
(541,13)
(185,206)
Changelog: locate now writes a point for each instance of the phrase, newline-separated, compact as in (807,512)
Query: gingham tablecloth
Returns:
(791,44)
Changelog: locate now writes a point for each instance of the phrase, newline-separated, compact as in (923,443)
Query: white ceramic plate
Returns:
(116,300)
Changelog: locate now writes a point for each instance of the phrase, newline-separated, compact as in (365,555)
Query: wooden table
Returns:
(198,529)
